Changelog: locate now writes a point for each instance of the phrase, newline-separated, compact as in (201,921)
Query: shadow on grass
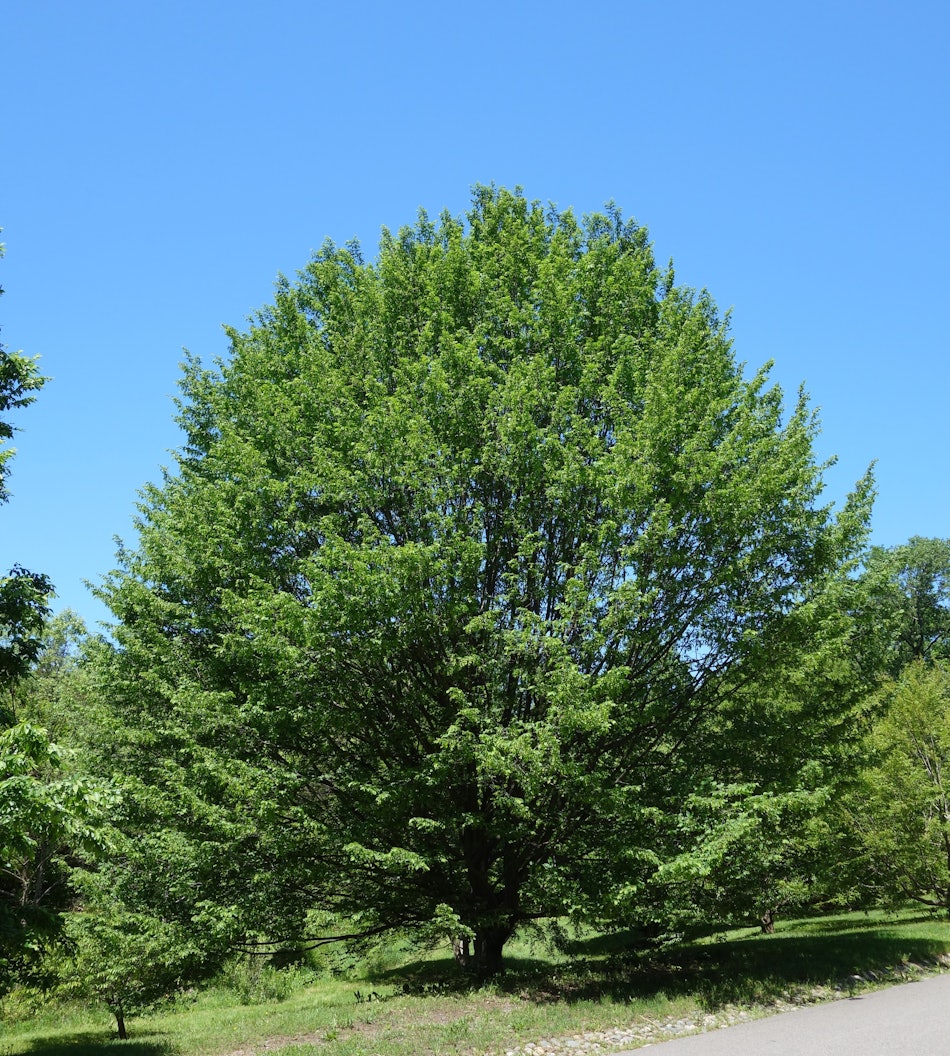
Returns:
(852,923)
(743,972)
(92,1043)
(740,971)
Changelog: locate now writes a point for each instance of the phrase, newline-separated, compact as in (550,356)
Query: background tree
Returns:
(898,813)
(44,808)
(23,594)
(24,607)
(19,379)
(466,552)
(50,695)
(905,612)
(899,608)
(758,837)
(47,814)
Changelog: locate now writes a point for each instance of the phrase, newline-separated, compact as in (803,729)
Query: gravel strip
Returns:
(643,1032)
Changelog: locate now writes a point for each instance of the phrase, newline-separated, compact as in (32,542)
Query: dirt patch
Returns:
(384,1021)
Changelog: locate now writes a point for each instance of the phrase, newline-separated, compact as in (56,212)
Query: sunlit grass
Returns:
(394,1003)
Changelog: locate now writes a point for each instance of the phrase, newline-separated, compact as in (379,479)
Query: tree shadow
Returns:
(740,971)
(443,976)
(743,971)
(95,1043)
(852,923)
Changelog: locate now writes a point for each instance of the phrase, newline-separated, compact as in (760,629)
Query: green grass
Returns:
(424,1006)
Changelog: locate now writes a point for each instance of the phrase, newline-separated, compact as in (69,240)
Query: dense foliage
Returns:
(898,812)
(41,807)
(450,614)
(23,594)
(906,606)
(48,812)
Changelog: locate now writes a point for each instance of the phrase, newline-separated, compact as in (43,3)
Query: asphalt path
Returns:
(911,1019)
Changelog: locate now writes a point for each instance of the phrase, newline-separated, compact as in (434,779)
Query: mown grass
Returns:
(394,1005)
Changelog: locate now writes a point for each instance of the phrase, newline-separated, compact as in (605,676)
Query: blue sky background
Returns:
(164,161)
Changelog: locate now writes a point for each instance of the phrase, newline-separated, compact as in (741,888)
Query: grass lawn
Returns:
(424,1007)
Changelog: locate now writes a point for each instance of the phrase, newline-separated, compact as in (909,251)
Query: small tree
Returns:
(45,812)
(465,554)
(129,961)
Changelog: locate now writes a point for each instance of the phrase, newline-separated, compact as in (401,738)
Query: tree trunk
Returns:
(494,900)
(767,922)
(119,1014)
(461,950)
(489,943)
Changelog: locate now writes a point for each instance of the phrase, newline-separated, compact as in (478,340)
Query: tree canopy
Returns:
(23,594)
(453,603)
(906,607)
(898,812)
(19,380)
(42,808)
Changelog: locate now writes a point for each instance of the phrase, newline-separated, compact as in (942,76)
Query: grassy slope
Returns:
(423,1009)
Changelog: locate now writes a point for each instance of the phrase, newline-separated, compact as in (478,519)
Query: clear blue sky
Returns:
(164,161)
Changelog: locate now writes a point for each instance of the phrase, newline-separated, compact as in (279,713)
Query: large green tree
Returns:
(465,554)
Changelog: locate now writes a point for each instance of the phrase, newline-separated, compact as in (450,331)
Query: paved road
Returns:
(912,1019)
